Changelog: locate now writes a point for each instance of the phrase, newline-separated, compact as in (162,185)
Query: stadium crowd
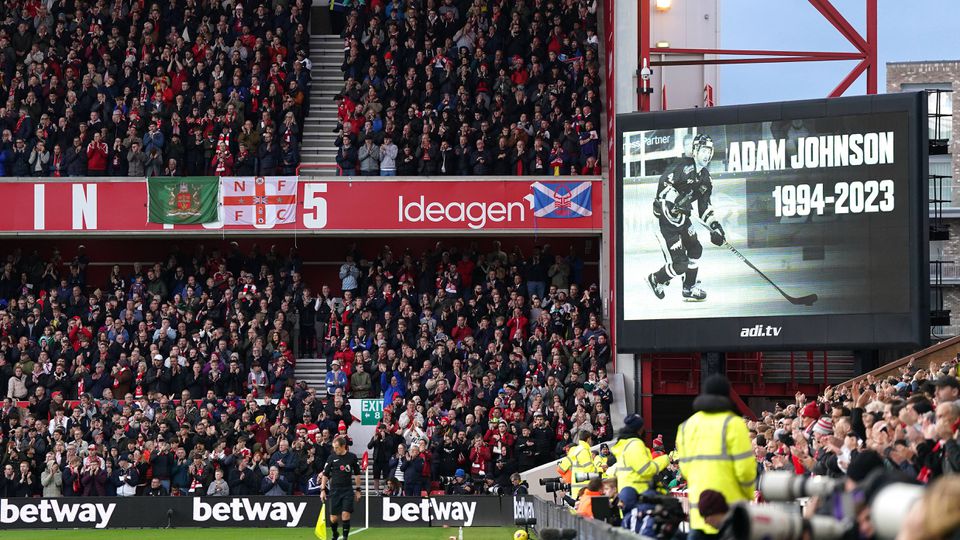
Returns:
(469,88)
(126,88)
(867,435)
(179,377)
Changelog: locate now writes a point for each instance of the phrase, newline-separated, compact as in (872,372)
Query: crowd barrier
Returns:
(549,515)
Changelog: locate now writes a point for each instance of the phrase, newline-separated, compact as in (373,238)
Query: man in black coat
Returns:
(269,155)
(244,479)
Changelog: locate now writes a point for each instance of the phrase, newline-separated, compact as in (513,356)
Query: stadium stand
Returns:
(460,88)
(180,370)
(152,88)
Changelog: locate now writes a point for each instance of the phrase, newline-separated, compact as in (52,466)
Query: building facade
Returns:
(941,81)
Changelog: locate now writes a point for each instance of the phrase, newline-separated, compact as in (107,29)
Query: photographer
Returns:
(460,484)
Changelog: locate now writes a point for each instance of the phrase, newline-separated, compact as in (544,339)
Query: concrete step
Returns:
(319,132)
(318,145)
(318,173)
(314,373)
(319,135)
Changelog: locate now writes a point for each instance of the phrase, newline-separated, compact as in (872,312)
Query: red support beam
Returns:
(873,67)
(840,23)
(849,79)
(643,22)
(761,52)
(866,49)
(646,390)
(762,60)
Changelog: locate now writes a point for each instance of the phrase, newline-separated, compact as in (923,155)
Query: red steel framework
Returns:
(866,49)
(866,53)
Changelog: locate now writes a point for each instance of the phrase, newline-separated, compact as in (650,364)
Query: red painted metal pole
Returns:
(793,370)
(611,167)
(848,80)
(826,369)
(643,23)
(847,30)
(762,60)
(873,67)
(646,390)
(762,52)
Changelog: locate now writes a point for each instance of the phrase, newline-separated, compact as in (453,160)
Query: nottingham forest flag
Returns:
(185,200)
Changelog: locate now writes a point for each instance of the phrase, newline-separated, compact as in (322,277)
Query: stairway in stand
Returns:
(313,371)
(326,53)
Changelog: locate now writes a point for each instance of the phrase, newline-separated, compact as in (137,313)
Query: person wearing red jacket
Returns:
(479,458)
(518,325)
(97,156)
(222,163)
(500,439)
(461,330)
(75,330)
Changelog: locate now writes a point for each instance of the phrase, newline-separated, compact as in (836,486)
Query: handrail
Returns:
(317,166)
(943,349)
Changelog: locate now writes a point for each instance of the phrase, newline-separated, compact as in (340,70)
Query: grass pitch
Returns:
(424,533)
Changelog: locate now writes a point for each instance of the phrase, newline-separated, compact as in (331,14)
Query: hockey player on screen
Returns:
(684,184)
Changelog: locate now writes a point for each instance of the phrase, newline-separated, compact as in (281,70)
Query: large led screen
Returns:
(789,225)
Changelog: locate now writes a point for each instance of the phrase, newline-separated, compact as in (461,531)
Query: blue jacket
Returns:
(388,390)
(5,155)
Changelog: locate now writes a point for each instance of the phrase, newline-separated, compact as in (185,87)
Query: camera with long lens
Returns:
(586,477)
(782,522)
(553,485)
(889,501)
(666,513)
(786,486)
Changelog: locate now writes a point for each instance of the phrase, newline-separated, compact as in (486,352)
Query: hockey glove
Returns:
(717,235)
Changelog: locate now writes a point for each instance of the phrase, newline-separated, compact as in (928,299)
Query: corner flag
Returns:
(321,529)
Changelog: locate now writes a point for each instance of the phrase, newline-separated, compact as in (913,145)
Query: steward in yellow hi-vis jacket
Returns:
(578,463)
(714,452)
(635,466)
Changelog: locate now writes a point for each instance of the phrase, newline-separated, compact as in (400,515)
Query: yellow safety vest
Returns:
(635,465)
(714,452)
(579,460)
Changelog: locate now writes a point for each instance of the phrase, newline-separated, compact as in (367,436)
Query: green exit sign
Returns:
(371,411)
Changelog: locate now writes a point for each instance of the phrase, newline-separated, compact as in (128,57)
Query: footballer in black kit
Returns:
(340,486)
(685,183)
